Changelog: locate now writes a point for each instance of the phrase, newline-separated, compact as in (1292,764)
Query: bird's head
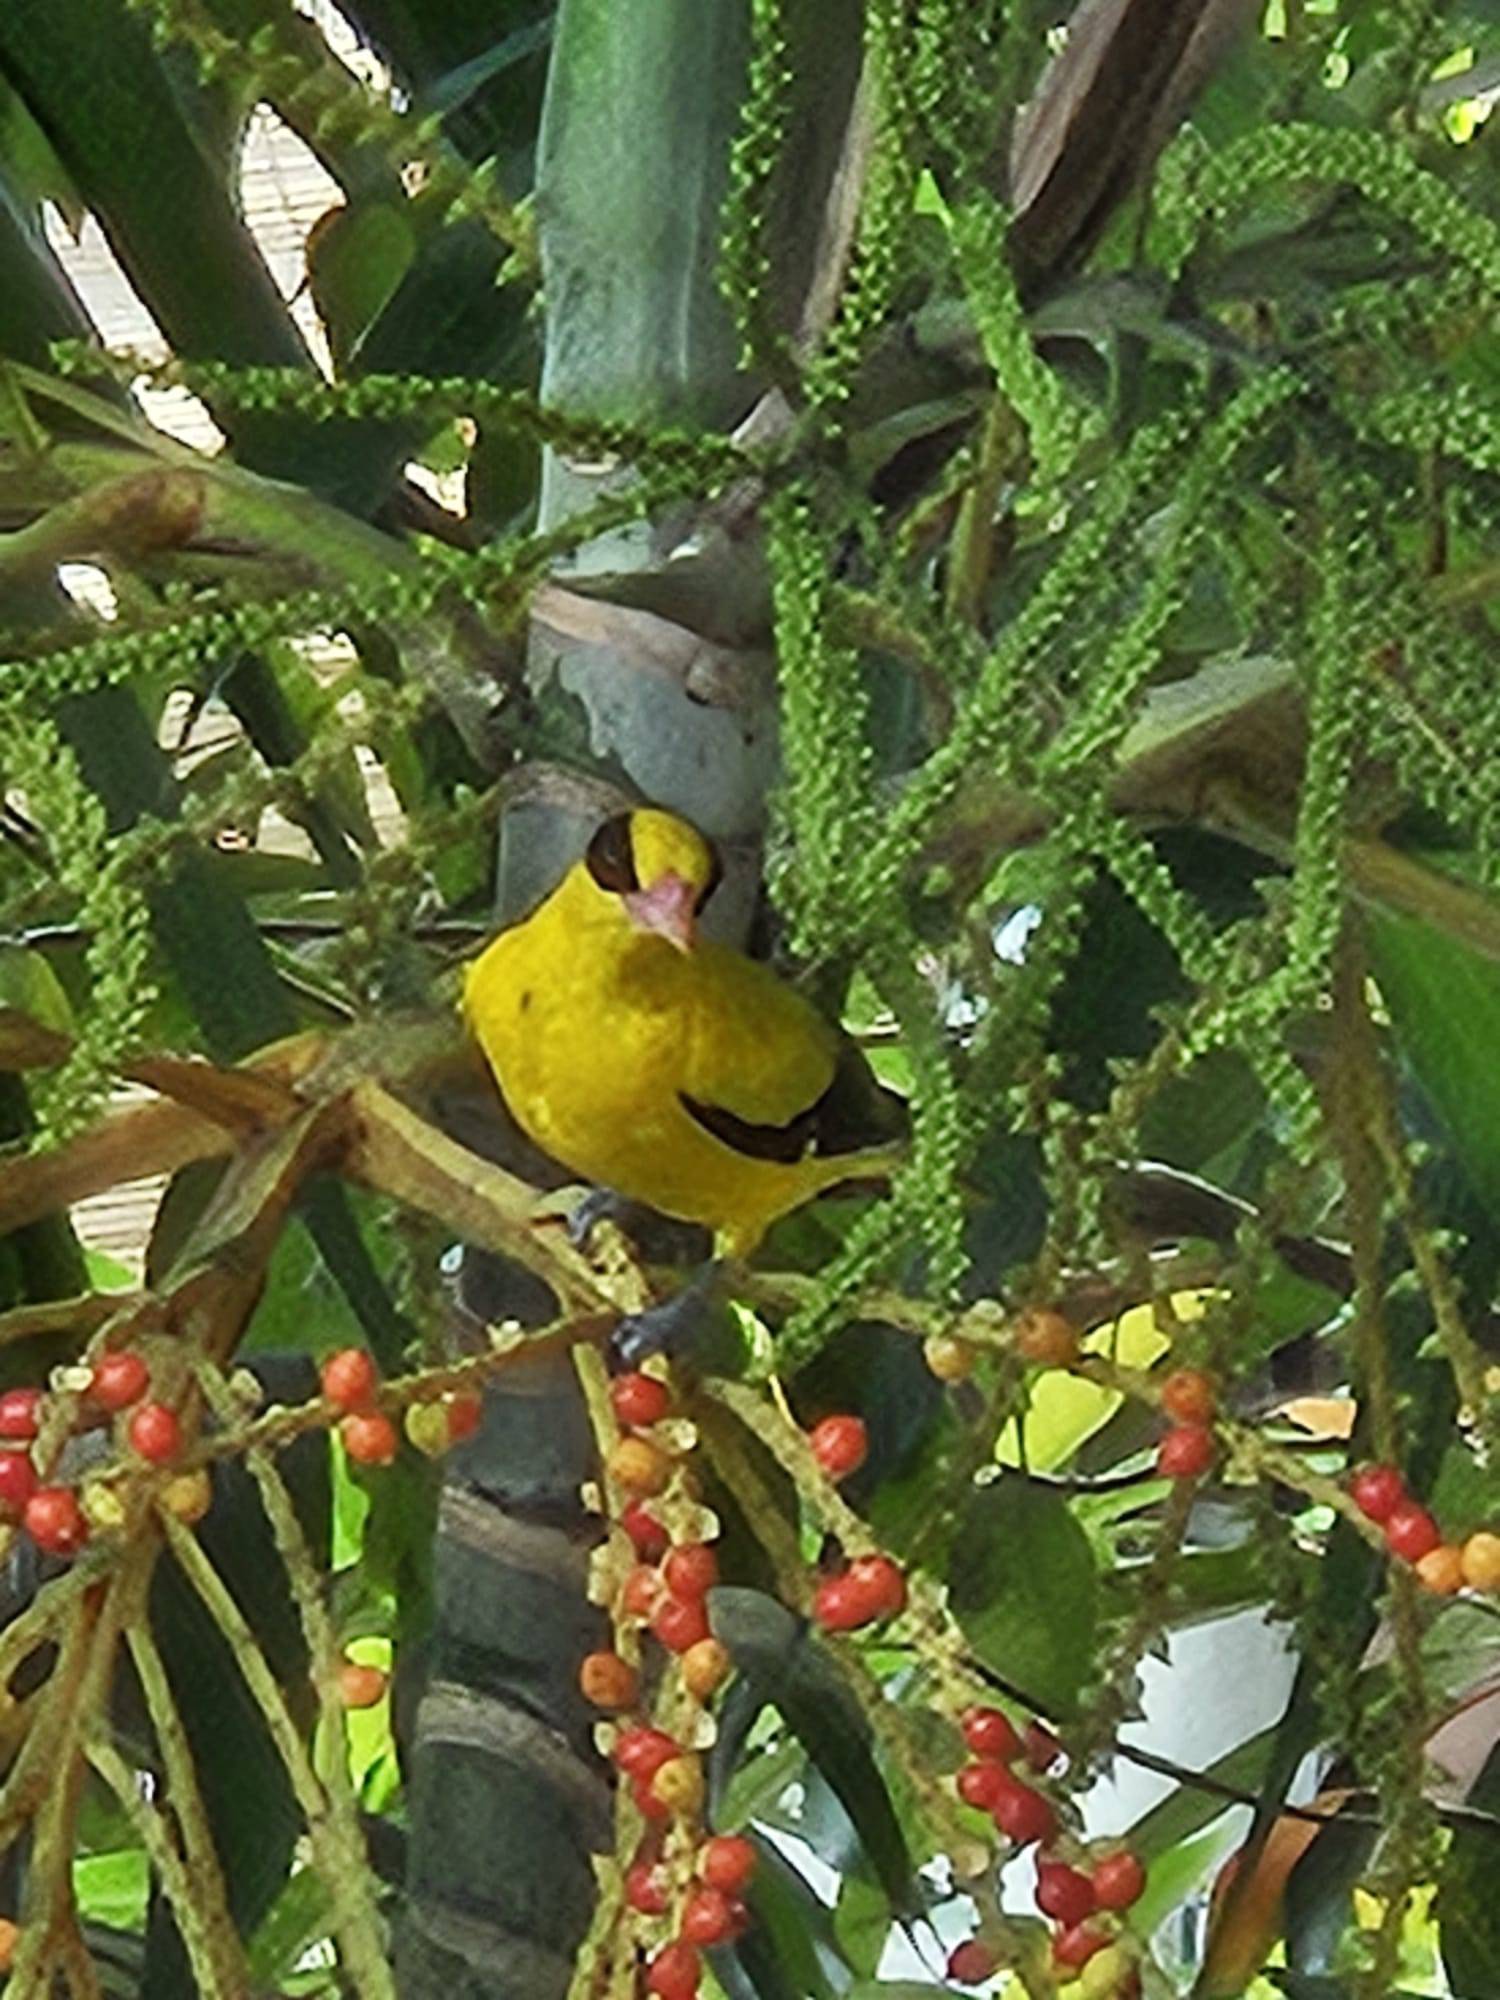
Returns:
(658,869)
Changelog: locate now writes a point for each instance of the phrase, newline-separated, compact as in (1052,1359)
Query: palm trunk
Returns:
(507,1795)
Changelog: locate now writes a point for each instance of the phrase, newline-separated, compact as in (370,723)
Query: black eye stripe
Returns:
(715,877)
(611,856)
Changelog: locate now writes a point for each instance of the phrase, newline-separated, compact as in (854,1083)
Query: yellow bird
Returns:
(658,1064)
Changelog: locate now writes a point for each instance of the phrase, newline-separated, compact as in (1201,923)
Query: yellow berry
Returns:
(1104,1977)
(705,1668)
(950,1359)
(678,1785)
(188,1495)
(1481,1561)
(426,1425)
(639,1467)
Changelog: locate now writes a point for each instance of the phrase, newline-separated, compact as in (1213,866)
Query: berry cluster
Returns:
(1411,1533)
(55,1516)
(695,1881)
(1187,1450)
(351,1383)
(1041,1336)
(1080,1901)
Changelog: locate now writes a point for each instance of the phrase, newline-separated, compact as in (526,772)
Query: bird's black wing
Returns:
(853,1113)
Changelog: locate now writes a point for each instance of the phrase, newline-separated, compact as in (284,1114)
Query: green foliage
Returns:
(1078,585)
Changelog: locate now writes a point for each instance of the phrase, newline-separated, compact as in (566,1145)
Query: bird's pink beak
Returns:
(666,910)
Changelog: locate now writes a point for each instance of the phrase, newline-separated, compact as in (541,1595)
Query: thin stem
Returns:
(339,1861)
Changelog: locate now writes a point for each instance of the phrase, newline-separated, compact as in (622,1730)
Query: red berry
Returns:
(1185,1453)
(641,1752)
(350,1379)
(155,1433)
(1023,1815)
(1074,1948)
(839,1605)
(648,1889)
(692,1570)
(1062,1892)
(119,1379)
(644,1530)
(727,1862)
(647,1804)
(840,1445)
(1377,1491)
(17,1482)
(674,1973)
(640,1591)
(708,1917)
(989,1732)
(971,1962)
(369,1438)
(465,1412)
(1188,1397)
(55,1521)
(680,1622)
(981,1785)
(639,1400)
(1118,1880)
(882,1582)
(1410,1531)
(1041,1746)
(20,1414)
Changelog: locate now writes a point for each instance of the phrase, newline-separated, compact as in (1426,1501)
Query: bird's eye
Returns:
(715,877)
(610,858)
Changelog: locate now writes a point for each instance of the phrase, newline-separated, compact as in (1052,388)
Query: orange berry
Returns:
(360,1686)
(369,1438)
(350,1378)
(10,1937)
(1481,1561)
(1043,1337)
(1441,1570)
(639,1467)
(705,1668)
(608,1681)
(1187,1396)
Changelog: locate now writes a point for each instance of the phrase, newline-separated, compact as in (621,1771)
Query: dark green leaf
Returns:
(785,1667)
(1025,1591)
(1444,1002)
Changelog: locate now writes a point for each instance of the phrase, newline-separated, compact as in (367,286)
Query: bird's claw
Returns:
(673,1327)
(598,1205)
